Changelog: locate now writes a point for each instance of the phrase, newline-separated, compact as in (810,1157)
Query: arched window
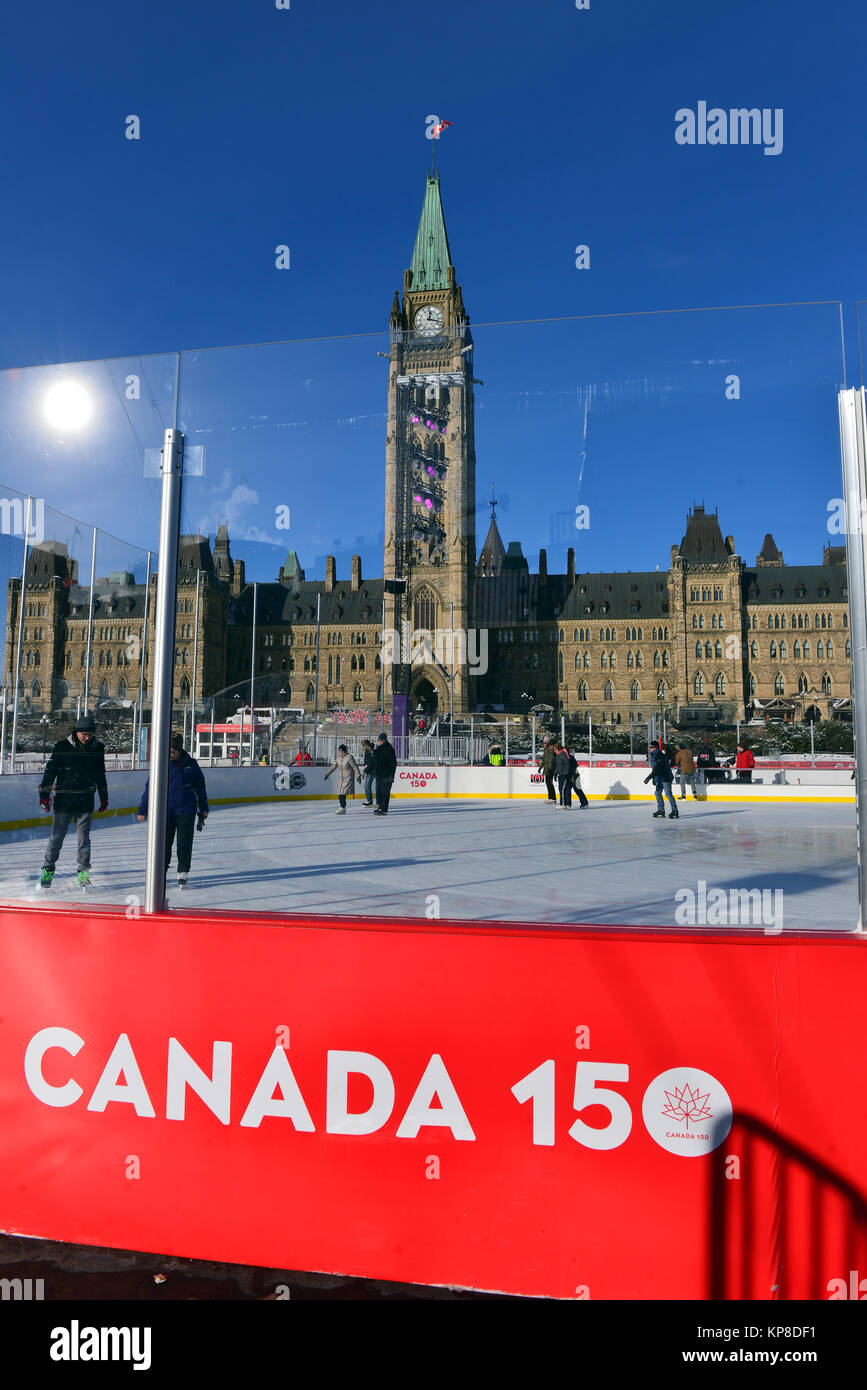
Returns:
(103,690)
(36,688)
(694,621)
(308,694)
(603,660)
(337,667)
(608,692)
(796,650)
(661,690)
(783,649)
(773,651)
(779,684)
(752,685)
(639,659)
(717,649)
(63,690)
(829,648)
(698,684)
(665,660)
(635,691)
(698,651)
(754,649)
(577,661)
(713,621)
(361,662)
(845,619)
(121,689)
(425,610)
(720,684)
(185,688)
(826,684)
(101,660)
(353,663)
(820,650)
(806,649)
(330,668)
(377,662)
(582,690)
(802,684)
(612,659)
(356,691)
(630,659)
(560,665)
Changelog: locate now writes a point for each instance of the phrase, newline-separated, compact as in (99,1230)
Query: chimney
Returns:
(730,544)
(570,565)
(356,571)
(543,566)
(239,578)
(330,573)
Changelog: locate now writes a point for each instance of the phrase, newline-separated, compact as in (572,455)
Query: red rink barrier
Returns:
(579,1113)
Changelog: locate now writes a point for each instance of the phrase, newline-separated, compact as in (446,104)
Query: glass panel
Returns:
(690,463)
(74,436)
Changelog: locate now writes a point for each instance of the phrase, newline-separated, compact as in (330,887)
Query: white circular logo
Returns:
(687,1111)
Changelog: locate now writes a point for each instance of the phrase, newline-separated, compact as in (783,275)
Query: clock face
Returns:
(428,320)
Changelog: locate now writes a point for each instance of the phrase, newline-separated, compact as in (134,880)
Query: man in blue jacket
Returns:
(661,774)
(187,794)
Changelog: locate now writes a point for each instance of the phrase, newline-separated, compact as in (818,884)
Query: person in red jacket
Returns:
(744,763)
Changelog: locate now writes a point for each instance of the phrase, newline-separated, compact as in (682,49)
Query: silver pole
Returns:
(20,640)
(590,727)
(90,625)
(533,749)
(303,721)
(812,747)
(195,659)
(563,730)
(853,439)
(171,465)
(211,755)
(630,745)
(452,689)
(316,682)
(142,649)
(132,751)
(507,740)
(271,740)
(3,735)
(253,677)
(382,673)
(472,758)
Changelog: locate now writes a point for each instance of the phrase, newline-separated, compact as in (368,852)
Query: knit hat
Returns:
(85,725)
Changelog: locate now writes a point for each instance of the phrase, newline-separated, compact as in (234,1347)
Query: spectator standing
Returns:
(187,796)
(384,768)
(686,767)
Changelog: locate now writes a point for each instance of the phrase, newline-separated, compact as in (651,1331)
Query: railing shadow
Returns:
(782,1224)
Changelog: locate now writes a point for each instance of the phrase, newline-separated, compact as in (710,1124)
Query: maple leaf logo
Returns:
(685,1105)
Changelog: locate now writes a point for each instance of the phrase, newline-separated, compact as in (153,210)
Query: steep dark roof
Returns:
(613,595)
(770,551)
(277,603)
(834,555)
(50,560)
(431,256)
(516,596)
(789,578)
(194,553)
(493,552)
(703,541)
(514,558)
(109,601)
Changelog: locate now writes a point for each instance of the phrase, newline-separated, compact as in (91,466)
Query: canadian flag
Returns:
(438,129)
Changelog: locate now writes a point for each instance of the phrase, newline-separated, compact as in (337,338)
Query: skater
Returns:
(744,763)
(660,773)
(576,782)
(384,768)
(546,763)
(686,767)
(347,769)
(187,794)
(495,756)
(564,775)
(77,767)
(367,745)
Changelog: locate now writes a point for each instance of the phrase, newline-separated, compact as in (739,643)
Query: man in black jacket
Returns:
(77,767)
(384,768)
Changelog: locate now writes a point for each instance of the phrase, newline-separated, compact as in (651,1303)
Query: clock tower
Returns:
(430,500)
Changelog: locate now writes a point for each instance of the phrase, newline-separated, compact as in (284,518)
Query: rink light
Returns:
(67,406)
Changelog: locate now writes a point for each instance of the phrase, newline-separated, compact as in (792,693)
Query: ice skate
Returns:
(182,880)
(46,878)
(84,879)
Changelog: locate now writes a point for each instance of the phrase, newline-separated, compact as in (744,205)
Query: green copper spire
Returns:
(431,257)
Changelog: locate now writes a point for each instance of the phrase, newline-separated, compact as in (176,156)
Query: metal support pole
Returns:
(472,758)
(301,744)
(812,746)
(134,715)
(211,756)
(563,730)
(590,727)
(452,689)
(20,640)
(507,740)
(3,735)
(631,759)
(184,733)
(533,746)
(195,662)
(316,682)
(853,439)
(271,739)
(171,467)
(142,651)
(90,625)
(253,675)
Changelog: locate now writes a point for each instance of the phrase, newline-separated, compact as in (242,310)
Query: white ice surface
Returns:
(485,861)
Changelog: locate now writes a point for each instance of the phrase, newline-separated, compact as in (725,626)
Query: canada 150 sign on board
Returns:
(685,1110)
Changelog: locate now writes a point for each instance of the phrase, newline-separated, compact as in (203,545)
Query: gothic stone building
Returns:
(711,639)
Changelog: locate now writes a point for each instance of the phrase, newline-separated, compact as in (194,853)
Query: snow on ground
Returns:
(483,861)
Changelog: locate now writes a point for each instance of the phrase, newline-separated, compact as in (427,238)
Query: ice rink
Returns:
(484,861)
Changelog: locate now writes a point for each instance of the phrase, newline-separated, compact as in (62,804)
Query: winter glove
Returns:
(200,823)
(103,802)
(45,802)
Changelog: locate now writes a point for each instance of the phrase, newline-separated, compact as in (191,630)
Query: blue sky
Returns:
(307,127)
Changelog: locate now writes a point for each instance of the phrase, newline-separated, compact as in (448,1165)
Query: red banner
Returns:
(582,1113)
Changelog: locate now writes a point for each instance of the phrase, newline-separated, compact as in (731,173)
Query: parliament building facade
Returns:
(712,639)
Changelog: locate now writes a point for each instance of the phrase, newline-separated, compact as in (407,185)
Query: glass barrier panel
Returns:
(80,528)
